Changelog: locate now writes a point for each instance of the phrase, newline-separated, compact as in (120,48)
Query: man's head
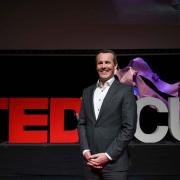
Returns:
(106,64)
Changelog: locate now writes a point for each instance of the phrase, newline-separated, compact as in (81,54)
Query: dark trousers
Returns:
(91,174)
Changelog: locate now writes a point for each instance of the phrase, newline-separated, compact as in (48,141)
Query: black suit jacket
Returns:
(115,126)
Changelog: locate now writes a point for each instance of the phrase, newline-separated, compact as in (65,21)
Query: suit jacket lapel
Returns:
(91,102)
(107,98)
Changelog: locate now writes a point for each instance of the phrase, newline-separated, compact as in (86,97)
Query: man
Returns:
(107,122)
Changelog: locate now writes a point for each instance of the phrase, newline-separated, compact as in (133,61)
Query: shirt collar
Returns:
(107,83)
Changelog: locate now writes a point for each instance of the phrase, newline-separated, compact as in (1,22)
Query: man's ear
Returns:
(115,69)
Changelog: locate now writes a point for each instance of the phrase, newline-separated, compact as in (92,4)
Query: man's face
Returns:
(105,66)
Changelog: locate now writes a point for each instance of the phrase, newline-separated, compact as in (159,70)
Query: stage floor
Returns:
(53,161)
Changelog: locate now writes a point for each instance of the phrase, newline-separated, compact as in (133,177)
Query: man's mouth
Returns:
(104,71)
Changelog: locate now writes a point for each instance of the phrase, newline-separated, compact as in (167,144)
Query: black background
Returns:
(66,74)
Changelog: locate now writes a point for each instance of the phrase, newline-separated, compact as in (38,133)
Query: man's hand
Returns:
(98,160)
(87,155)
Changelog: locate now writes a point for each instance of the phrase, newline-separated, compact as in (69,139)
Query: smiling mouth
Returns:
(104,70)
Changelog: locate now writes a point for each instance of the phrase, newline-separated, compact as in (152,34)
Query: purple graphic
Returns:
(146,82)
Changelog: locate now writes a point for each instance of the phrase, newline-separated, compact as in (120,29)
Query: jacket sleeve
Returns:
(82,126)
(128,125)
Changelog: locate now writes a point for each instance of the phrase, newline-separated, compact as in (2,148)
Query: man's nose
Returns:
(103,65)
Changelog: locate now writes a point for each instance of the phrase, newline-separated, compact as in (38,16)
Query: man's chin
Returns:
(104,78)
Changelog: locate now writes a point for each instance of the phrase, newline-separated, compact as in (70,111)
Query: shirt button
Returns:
(99,99)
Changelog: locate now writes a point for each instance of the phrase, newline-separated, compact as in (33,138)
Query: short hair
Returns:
(108,51)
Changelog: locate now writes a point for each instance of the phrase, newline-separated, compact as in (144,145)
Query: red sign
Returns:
(18,119)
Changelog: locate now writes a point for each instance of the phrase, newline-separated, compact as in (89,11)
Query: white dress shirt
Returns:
(99,95)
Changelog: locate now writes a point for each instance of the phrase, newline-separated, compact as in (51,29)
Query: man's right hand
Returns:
(87,155)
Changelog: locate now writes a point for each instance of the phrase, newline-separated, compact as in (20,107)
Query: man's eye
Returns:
(107,62)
